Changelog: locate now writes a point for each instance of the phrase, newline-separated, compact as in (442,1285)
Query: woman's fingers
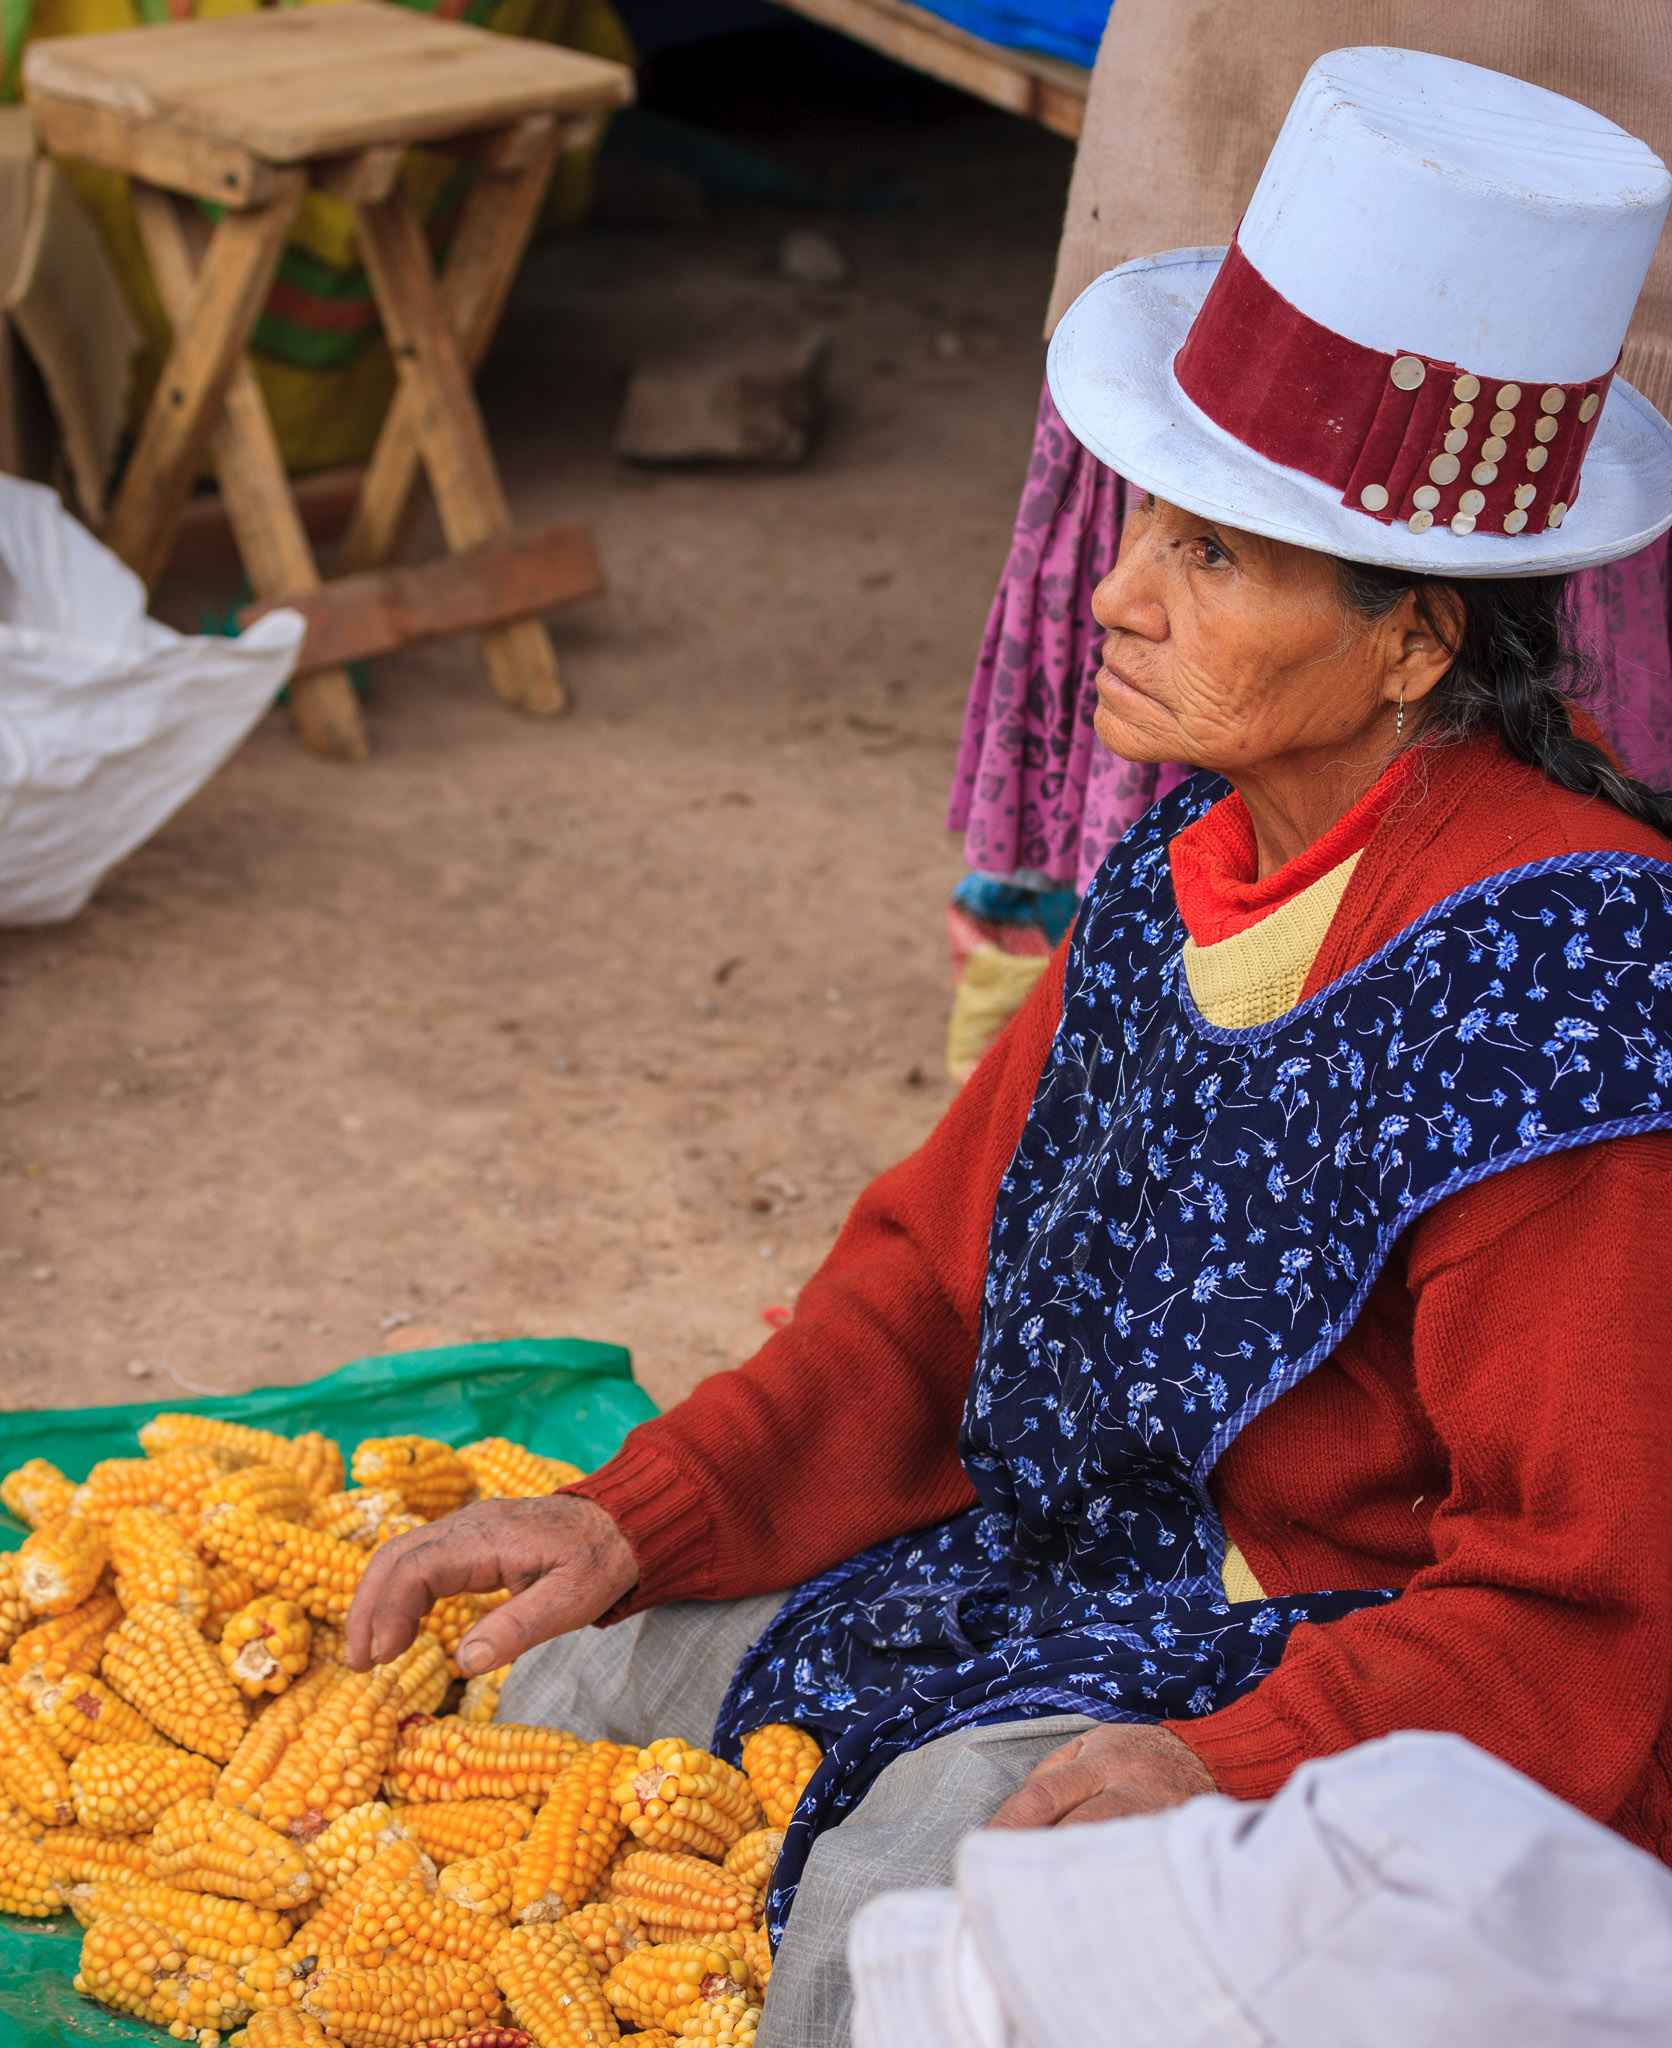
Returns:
(591,1568)
(1034,1803)
(1121,1768)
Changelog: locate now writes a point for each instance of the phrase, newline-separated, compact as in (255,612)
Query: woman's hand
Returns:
(1117,1769)
(563,1559)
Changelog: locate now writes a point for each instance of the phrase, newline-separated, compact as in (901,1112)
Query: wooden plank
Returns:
(468,494)
(325,503)
(293,84)
(495,222)
(208,347)
(362,178)
(356,618)
(1025,82)
(169,157)
(269,531)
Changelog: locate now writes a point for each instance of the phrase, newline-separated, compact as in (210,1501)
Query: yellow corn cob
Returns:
(679,1895)
(757,1953)
(676,1797)
(139,1968)
(330,1643)
(481,1884)
(401,2002)
(725,2022)
(779,1761)
(431,1478)
(453,1760)
(257,1756)
(552,1989)
(409,1920)
(357,1515)
(315,1457)
(205,1847)
(160,1664)
(172,1483)
(275,1490)
(27,1883)
(398,1524)
(266,1644)
(317,1572)
(424,1675)
(607,1930)
(155,1562)
(325,1934)
(81,1710)
(653,2037)
(658,1987)
(60,1563)
(337,1759)
(605,1887)
(36,1492)
(352,1840)
(15,1617)
(481,1695)
(503,1470)
(121,1788)
(32,1773)
(577,1832)
(229,1591)
(276,1979)
(449,1621)
(226,1930)
(65,1645)
(752,1858)
(78,1856)
(451,1829)
(284,2027)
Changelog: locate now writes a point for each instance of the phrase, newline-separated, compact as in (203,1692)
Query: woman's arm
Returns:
(1543,1628)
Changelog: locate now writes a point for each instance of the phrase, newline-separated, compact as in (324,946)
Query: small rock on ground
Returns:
(759,405)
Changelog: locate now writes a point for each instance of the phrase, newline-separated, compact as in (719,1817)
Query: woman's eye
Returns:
(1209,553)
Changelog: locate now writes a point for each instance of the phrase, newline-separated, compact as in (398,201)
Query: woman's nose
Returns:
(1124,602)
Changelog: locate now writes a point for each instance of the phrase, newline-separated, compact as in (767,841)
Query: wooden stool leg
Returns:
(494,225)
(454,445)
(210,336)
(254,488)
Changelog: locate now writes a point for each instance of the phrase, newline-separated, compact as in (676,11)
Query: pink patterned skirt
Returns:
(1034,793)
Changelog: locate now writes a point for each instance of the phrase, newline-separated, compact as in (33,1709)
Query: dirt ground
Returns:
(593,1027)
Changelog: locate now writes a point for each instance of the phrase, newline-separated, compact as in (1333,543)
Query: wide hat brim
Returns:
(1110,371)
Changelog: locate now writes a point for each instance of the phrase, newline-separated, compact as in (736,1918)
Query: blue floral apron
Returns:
(1191,1222)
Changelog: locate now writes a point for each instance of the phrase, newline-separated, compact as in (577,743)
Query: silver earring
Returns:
(1399,724)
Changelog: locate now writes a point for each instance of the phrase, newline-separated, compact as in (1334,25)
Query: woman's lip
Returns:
(1115,679)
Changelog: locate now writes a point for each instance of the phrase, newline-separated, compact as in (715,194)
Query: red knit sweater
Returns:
(1494,1436)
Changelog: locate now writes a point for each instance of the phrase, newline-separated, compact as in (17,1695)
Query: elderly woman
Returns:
(1267,1350)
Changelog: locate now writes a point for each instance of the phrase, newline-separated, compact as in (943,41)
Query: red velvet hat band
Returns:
(1402,437)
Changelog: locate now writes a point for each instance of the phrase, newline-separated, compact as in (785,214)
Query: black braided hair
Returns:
(1516,670)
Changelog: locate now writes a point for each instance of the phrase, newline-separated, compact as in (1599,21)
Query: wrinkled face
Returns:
(1232,652)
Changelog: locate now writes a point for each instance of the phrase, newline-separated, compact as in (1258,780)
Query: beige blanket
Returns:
(1188,96)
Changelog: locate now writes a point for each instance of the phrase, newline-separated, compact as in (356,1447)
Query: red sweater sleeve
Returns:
(1540,1622)
(843,1429)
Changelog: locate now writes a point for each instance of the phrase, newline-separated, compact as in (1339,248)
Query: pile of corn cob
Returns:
(260,1843)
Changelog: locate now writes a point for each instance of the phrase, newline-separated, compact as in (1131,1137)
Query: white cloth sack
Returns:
(1411,1893)
(108,720)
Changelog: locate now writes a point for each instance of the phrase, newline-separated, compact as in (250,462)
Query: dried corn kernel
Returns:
(36,1492)
(263,1489)
(60,1564)
(486,2037)
(779,1761)
(481,1884)
(453,1760)
(162,1665)
(481,1695)
(266,1644)
(141,1969)
(63,1646)
(401,2002)
(326,1933)
(122,1788)
(728,2021)
(753,1856)
(608,1930)
(659,1987)
(675,1797)
(32,1773)
(431,1478)
(317,1572)
(450,1621)
(15,1617)
(356,1516)
(351,1840)
(78,1856)
(205,1847)
(315,1457)
(680,1895)
(27,1883)
(229,1591)
(449,1829)
(173,1483)
(77,1711)
(227,1930)
(155,1562)
(283,2027)
(338,1758)
(408,1919)
(503,1470)
(424,1675)
(578,1830)
(552,1989)
(258,1755)
(757,1953)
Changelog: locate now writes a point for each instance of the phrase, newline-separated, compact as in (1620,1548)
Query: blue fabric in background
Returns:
(1070,29)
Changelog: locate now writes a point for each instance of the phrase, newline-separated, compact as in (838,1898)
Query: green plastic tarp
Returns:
(561,1396)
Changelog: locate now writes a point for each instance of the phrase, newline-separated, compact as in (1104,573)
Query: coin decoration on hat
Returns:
(1408,354)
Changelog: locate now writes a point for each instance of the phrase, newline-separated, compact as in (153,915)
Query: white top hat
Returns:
(1407,1893)
(1407,355)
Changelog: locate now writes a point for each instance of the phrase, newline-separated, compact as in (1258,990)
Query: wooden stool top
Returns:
(293,85)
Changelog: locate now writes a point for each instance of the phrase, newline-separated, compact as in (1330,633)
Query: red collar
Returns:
(1215,863)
